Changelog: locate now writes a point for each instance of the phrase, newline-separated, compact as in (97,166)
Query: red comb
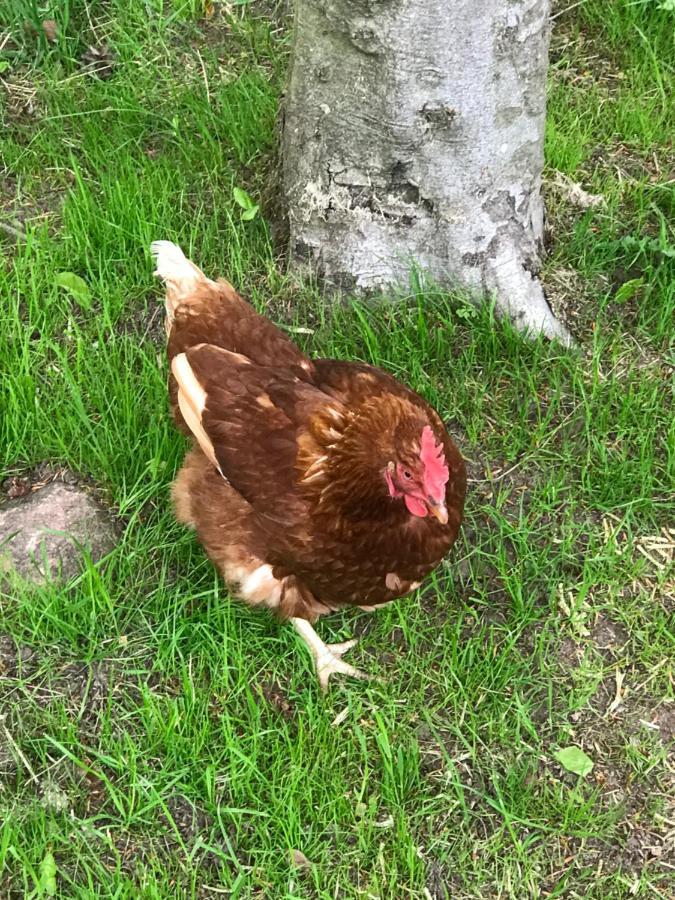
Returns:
(436,472)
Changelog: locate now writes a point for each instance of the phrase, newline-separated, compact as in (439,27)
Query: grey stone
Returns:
(43,536)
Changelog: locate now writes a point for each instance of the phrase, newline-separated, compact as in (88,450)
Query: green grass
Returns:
(610,127)
(161,741)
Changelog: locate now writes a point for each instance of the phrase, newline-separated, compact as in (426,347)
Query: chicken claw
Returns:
(327,657)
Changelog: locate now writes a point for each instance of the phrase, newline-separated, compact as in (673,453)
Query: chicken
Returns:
(313,484)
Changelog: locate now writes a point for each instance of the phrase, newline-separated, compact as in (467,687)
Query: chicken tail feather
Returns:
(179,274)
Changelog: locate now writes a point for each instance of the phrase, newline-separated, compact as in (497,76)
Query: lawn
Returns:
(158,740)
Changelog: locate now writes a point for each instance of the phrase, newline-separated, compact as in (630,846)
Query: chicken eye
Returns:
(407,474)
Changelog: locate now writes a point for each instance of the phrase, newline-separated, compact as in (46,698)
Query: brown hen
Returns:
(312,484)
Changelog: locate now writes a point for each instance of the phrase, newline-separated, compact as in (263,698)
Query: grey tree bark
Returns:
(414,133)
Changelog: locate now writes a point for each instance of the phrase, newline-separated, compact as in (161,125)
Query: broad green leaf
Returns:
(466,312)
(48,875)
(75,286)
(251,213)
(574,760)
(628,290)
(241,198)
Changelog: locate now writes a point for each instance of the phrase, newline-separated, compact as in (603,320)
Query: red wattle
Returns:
(415,506)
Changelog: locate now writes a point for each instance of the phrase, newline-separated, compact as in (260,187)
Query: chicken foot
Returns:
(327,657)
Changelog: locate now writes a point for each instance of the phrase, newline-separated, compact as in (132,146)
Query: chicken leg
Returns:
(327,657)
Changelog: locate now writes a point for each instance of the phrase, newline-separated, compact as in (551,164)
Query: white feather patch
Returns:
(180,275)
(170,260)
(171,263)
(256,584)
(258,577)
(191,402)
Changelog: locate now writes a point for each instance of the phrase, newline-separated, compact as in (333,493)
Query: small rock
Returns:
(50,30)
(26,653)
(41,537)
(299,860)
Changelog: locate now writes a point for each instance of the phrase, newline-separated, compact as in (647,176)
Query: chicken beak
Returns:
(439,510)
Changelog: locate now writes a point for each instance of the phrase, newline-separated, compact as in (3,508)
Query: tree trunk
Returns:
(414,134)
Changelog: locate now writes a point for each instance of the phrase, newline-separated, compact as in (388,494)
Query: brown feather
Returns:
(300,519)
